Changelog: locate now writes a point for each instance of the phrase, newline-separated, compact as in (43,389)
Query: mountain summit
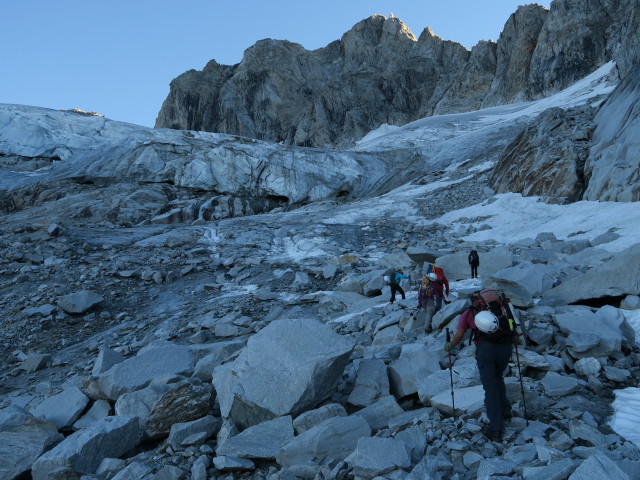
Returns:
(378,73)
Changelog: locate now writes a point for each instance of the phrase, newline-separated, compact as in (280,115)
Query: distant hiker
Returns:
(394,280)
(489,319)
(430,297)
(474,261)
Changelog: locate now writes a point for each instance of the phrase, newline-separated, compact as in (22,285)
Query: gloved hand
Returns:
(446,302)
(448,347)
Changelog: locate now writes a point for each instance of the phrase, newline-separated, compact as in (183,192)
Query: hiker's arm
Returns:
(457,338)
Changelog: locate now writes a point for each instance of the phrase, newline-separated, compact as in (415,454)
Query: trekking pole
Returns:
(453,400)
(524,402)
(506,302)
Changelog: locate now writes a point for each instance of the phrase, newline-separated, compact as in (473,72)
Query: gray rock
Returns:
(615,319)
(616,374)
(415,441)
(439,382)
(618,276)
(467,400)
(426,469)
(379,414)
(610,166)
(333,439)
(85,449)
(523,282)
(106,359)
(160,406)
(219,353)
(287,367)
(579,430)
(170,472)
(415,362)
(492,467)
(555,471)
(133,471)
(450,312)
(630,302)
(98,411)
(150,363)
(228,463)
(207,426)
(456,265)
(598,466)
(35,362)
(42,311)
(378,456)
(79,302)
(262,441)
(22,442)
(63,409)
(585,326)
(199,468)
(372,382)
(556,385)
(587,367)
(310,419)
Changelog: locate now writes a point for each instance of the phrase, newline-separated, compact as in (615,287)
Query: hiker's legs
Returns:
(474,271)
(492,361)
(430,310)
(503,353)
(393,292)
(438,304)
(399,288)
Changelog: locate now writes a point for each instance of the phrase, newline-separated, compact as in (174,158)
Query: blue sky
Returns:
(118,57)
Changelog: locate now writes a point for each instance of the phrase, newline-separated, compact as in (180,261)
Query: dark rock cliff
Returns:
(378,72)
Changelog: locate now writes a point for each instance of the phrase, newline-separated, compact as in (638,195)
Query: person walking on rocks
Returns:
(474,262)
(493,351)
(430,298)
(394,282)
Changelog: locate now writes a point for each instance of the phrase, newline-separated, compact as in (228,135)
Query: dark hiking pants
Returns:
(474,271)
(396,288)
(492,361)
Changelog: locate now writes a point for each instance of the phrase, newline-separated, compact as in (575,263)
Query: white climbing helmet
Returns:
(433,277)
(486,322)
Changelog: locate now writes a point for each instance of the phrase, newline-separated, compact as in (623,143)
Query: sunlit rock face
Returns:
(548,157)
(378,73)
(613,167)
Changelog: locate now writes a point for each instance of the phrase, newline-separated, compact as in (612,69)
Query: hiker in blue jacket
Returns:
(394,283)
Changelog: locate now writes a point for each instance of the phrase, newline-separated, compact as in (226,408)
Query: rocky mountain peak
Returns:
(315,98)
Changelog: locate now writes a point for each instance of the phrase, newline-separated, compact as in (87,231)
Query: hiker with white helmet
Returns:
(489,319)
(430,297)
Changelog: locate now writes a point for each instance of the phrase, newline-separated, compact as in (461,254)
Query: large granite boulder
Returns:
(261,441)
(587,335)
(456,265)
(288,367)
(83,451)
(332,439)
(150,363)
(522,283)
(416,361)
(62,409)
(160,406)
(23,439)
(619,276)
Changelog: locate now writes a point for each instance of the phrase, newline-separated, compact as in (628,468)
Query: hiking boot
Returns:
(494,435)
